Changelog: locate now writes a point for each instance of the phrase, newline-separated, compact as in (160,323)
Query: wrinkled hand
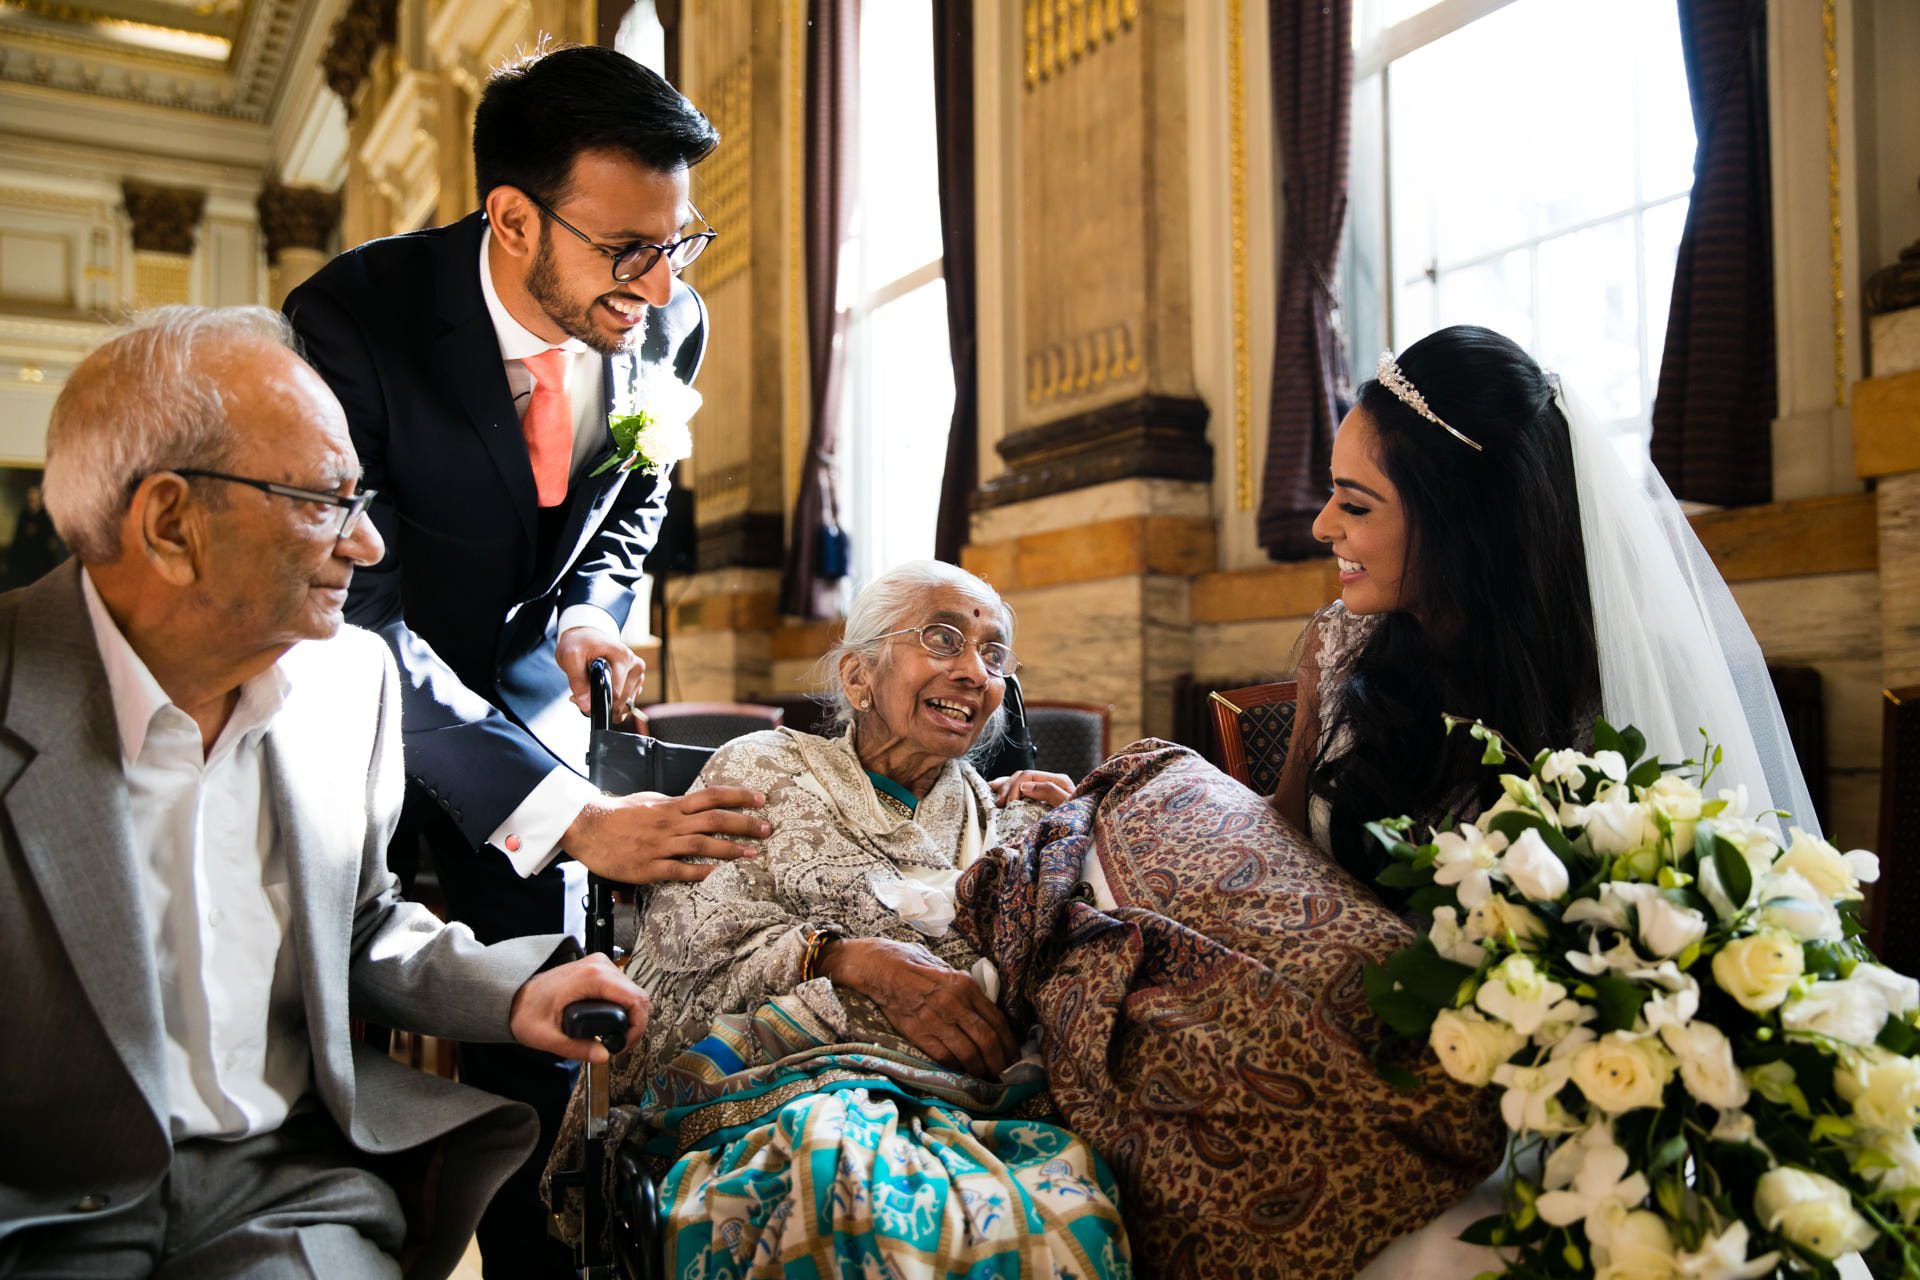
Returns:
(538,1005)
(1049,789)
(643,838)
(938,1008)
(578,646)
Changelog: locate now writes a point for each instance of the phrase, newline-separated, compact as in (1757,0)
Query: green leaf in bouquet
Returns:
(1515,821)
(1392,1072)
(1430,976)
(1493,754)
(1645,774)
(1825,959)
(1633,744)
(1403,875)
(1425,900)
(1736,877)
(1605,736)
(1398,1008)
(1670,1153)
(1618,1000)
(1487,1231)
(1899,1036)
(1831,1127)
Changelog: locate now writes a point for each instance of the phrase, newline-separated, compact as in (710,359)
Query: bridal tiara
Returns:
(1390,377)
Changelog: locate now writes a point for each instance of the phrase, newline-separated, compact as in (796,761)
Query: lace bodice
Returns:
(1336,636)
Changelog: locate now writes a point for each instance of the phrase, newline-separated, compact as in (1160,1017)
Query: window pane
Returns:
(1667,137)
(1497,294)
(1663,225)
(903,404)
(1590,317)
(898,211)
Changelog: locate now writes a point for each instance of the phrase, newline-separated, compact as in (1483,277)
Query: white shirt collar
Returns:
(138,697)
(517,342)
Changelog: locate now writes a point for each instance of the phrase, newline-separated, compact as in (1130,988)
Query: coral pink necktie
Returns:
(549,426)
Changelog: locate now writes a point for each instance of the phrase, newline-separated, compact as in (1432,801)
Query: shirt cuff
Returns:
(530,837)
(587,615)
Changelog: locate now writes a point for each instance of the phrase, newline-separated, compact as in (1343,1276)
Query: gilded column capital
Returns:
(358,35)
(163,217)
(297,218)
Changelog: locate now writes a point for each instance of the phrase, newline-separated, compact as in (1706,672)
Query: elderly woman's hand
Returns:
(940,1009)
(1049,789)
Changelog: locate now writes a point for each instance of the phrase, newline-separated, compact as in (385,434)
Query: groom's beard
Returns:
(576,321)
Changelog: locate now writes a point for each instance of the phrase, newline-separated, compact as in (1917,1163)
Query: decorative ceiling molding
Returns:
(84,48)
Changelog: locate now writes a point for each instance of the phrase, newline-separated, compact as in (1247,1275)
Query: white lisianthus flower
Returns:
(1622,1072)
(1469,862)
(1723,1257)
(1758,971)
(1450,939)
(1853,1009)
(1898,1165)
(1663,927)
(1788,901)
(1566,769)
(1617,824)
(1814,1212)
(1587,1175)
(1707,1068)
(1674,1001)
(1564,1022)
(1531,1101)
(1470,1047)
(1821,865)
(1519,994)
(1532,868)
(1678,801)
(1638,1245)
(1498,916)
(1882,1088)
(1611,764)
(1621,955)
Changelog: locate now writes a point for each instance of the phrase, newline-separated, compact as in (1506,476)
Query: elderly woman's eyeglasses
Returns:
(630,262)
(948,643)
(352,506)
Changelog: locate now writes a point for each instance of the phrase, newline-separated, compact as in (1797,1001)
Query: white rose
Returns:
(1788,901)
(1664,928)
(1497,917)
(1470,1047)
(1707,1068)
(1619,1072)
(1534,869)
(1758,971)
(1883,1088)
(1518,994)
(1638,1246)
(1901,993)
(1820,864)
(1678,801)
(1898,1166)
(1814,1212)
(1851,1010)
(1451,940)
(1618,824)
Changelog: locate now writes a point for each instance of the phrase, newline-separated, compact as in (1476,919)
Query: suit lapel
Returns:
(468,359)
(68,808)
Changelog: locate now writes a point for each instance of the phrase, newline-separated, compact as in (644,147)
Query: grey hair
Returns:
(895,600)
(144,401)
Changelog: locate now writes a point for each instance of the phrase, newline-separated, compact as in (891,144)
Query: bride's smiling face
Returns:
(1365,523)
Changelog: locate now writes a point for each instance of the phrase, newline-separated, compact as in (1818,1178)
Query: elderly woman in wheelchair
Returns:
(826,1081)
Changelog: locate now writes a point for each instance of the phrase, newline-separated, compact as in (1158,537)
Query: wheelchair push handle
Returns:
(600,693)
(601,1020)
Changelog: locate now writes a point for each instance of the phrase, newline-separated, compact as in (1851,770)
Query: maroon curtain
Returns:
(1312,52)
(953,127)
(833,42)
(1713,413)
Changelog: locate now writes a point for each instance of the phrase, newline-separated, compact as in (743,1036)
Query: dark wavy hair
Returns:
(1499,623)
(540,111)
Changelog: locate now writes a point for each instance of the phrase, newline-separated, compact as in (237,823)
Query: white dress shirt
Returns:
(216,897)
(530,836)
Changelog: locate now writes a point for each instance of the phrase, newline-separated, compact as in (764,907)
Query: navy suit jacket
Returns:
(400,330)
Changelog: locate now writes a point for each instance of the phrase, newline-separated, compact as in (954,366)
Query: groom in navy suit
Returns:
(477,364)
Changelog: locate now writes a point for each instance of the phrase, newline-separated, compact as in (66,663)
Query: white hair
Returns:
(144,401)
(894,601)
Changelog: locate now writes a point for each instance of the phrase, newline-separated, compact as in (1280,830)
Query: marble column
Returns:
(298,225)
(1097,511)
(163,220)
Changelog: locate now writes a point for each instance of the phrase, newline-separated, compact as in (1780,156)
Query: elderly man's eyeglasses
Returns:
(947,642)
(635,260)
(352,506)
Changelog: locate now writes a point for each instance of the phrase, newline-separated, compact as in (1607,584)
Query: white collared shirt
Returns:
(530,836)
(216,895)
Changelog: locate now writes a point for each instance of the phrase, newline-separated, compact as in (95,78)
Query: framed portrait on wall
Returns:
(31,547)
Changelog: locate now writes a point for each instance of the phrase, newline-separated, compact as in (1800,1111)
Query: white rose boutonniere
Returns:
(649,424)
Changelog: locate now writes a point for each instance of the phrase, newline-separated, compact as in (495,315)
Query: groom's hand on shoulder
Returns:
(645,838)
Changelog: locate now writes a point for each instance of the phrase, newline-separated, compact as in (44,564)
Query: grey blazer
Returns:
(83,1090)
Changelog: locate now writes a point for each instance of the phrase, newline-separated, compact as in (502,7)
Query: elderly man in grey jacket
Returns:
(199,770)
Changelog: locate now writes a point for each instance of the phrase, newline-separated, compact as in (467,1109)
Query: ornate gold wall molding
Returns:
(1062,32)
(724,181)
(1083,366)
(359,34)
(1242,425)
(297,218)
(161,278)
(163,218)
(1831,47)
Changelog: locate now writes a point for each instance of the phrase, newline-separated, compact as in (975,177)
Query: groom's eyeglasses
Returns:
(635,260)
(352,506)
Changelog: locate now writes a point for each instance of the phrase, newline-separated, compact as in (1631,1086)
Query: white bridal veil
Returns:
(1676,654)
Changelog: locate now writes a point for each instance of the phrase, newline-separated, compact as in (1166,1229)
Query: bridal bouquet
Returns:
(1704,1071)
